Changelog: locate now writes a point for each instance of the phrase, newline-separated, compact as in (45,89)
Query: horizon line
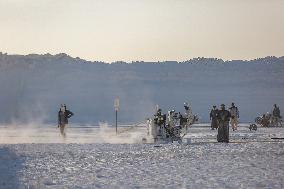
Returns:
(137,61)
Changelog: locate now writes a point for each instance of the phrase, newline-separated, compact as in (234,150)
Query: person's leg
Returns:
(219,139)
(226,132)
(216,123)
(232,124)
(234,120)
(276,121)
(272,121)
(212,124)
(220,136)
(62,129)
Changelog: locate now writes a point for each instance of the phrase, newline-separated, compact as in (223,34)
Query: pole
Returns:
(116,107)
(116,121)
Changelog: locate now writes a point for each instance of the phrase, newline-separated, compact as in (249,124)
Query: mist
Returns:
(34,86)
(36,132)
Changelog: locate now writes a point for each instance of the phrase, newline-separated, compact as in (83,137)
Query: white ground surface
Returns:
(32,157)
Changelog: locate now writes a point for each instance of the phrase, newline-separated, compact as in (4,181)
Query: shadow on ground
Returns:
(10,165)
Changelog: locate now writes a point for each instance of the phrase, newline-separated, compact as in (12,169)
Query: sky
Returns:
(148,30)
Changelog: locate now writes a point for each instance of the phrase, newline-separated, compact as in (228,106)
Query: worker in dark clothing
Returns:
(63,116)
(276,111)
(213,118)
(223,126)
(276,117)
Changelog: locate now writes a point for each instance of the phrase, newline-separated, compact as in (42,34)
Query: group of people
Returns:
(270,119)
(171,126)
(234,116)
(220,119)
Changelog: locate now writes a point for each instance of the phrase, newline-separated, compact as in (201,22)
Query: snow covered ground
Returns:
(39,158)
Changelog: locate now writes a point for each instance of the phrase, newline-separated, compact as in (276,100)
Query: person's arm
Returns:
(229,115)
(238,113)
(69,113)
(59,121)
(211,114)
(218,116)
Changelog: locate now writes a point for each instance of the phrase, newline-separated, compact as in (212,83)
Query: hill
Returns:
(33,87)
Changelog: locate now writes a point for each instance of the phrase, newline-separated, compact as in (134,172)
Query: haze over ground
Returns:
(33,87)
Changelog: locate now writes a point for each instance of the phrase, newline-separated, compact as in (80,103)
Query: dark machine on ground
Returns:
(268,120)
(171,127)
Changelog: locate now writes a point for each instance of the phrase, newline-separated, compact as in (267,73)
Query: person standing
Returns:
(276,117)
(213,118)
(223,126)
(264,121)
(63,116)
(234,116)
(276,111)
(188,114)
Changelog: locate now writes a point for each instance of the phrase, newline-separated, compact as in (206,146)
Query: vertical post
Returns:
(116,121)
(116,107)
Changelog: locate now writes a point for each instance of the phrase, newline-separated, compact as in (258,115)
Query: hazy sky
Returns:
(128,30)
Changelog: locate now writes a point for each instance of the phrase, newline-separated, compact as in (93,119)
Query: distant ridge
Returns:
(69,58)
(32,87)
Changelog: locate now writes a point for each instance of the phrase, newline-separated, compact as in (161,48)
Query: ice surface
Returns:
(252,160)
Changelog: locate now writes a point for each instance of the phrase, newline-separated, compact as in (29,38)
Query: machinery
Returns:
(268,120)
(253,127)
(170,127)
